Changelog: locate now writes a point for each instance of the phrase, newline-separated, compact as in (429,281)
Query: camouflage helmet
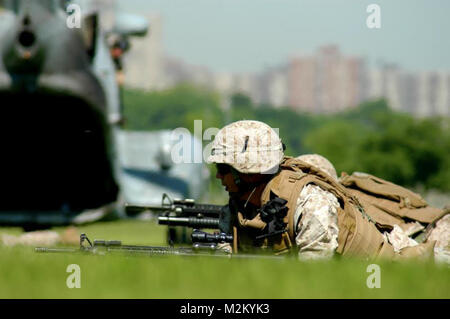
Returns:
(249,147)
(320,162)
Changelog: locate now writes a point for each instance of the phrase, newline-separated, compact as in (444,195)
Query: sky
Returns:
(250,35)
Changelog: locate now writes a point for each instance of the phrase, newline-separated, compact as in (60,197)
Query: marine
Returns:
(289,205)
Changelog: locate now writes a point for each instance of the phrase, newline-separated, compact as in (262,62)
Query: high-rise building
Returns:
(271,87)
(144,63)
(408,90)
(106,9)
(302,78)
(326,82)
(244,83)
(433,94)
(418,93)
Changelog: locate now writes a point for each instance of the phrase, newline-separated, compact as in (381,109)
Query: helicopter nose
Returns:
(23,54)
(26,38)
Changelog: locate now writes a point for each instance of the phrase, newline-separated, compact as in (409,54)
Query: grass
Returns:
(26,274)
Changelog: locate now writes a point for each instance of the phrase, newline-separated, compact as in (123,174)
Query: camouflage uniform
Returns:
(441,233)
(316,215)
(316,223)
(252,147)
(398,237)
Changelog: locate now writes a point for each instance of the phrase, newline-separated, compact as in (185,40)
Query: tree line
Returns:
(370,138)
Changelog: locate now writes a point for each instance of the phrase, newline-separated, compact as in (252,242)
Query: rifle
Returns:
(182,212)
(205,244)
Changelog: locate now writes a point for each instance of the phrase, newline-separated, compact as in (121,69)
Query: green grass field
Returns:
(26,274)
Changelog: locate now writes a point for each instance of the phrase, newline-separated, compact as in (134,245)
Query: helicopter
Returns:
(65,155)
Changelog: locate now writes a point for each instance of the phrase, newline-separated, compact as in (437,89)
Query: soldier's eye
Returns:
(223,169)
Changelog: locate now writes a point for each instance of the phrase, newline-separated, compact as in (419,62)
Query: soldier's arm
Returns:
(316,223)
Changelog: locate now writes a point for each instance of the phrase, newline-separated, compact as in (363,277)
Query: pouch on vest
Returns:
(389,204)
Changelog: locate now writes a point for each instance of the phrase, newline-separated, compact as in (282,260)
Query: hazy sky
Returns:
(248,35)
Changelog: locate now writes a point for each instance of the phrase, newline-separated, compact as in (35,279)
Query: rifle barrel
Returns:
(55,250)
(134,209)
(187,210)
(194,222)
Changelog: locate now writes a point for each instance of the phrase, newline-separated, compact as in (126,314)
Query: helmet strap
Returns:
(249,196)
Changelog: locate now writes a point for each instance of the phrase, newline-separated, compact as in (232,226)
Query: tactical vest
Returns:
(359,235)
(390,204)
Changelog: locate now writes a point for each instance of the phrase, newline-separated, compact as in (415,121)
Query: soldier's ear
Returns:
(237,179)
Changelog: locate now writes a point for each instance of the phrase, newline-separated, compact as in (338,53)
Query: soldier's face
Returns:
(226,177)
